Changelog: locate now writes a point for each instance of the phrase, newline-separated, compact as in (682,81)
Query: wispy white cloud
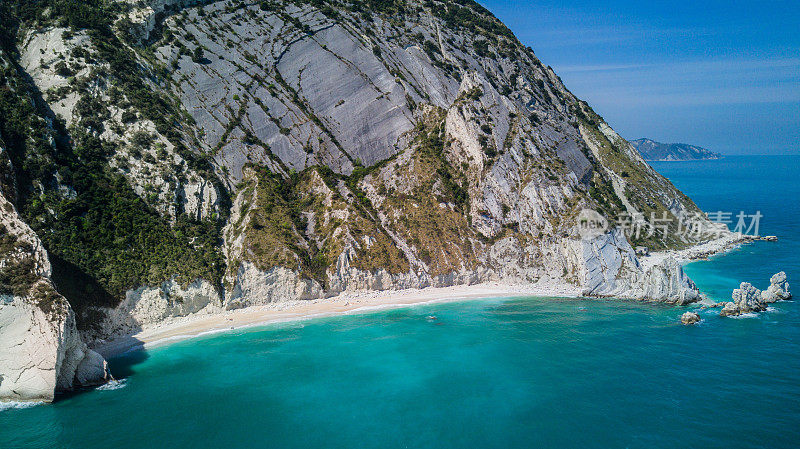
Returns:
(588,36)
(720,73)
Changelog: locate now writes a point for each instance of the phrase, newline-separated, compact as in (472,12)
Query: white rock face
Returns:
(254,287)
(145,17)
(344,277)
(778,289)
(41,351)
(149,305)
(199,199)
(28,352)
(746,299)
(611,268)
(42,52)
(665,282)
(605,257)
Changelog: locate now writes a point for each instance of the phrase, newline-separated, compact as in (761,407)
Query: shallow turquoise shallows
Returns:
(498,373)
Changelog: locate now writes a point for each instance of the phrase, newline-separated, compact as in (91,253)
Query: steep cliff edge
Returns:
(41,351)
(175,157)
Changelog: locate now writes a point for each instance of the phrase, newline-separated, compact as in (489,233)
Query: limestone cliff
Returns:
(178,156)
(41,351)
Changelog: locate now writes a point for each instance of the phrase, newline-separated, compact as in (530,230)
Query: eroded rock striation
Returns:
(612,269)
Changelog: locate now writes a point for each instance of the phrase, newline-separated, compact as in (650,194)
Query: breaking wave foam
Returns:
(746,315)
(113,385)
(15,404)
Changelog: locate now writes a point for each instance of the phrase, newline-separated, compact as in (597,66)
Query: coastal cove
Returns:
(398,224)
(402,145)
(458,369)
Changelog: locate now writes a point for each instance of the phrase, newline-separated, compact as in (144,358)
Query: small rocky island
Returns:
(748,299)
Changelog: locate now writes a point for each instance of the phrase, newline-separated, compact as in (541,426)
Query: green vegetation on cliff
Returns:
(303,223)
(102,237)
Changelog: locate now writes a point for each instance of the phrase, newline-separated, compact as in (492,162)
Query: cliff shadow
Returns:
(123,365)
(80,289)
(120,364)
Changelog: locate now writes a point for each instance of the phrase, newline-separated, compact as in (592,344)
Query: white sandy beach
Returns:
(181,328)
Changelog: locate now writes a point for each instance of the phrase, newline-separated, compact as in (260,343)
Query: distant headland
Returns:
(657,151)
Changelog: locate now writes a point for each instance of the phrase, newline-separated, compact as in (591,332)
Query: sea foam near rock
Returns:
(16,404)
(745,315)
(113,385)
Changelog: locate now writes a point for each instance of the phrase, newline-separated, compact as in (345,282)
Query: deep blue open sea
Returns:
(498,373)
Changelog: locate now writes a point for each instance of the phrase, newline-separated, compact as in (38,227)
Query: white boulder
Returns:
(42,353)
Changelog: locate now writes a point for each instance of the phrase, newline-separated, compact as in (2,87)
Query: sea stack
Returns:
(747,299)
(778,289)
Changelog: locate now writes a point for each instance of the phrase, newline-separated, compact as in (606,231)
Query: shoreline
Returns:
(176,329)
(703,251)
(183,328)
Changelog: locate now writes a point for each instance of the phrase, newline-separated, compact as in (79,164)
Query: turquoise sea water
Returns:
(504,373)
(766,184)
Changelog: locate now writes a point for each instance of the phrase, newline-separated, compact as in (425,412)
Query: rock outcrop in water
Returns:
(173,157)
(778,289)
(690,318)
(748,299)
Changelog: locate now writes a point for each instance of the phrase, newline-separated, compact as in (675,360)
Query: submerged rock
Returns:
(690,318)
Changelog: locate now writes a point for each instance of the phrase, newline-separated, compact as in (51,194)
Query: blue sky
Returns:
(722,75)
